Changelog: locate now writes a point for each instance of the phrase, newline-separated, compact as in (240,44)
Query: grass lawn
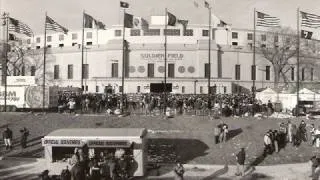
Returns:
(187,138)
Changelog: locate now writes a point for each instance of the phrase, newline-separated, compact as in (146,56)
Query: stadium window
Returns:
(61,45)
(49,46)
(33,70)
(73,44)
(28,41)
(250,45)
(213,34)
(89,35)
(150,70)
(56,72)
(74,36)
(97,88)
(188,32)
(70,71)
(253,72)
(267,73)
(205,32)
(302,74)
(89,43)
(183,89)
(38,39)
(120,89)
(37,47)
(117,32)
(292,74)
(87,87)
(138,89)
(263,37)
(23,70)
(234,35)
(276,38)
(49,38)
(61,37)
(237,73)
(234,43)
(201,90)
(263,45)
(135,32)
(171,32)
(152,32)
(311,74)
(224,90)
(114,70)
(206,70)
(85,71)
(171,70)
(249,36)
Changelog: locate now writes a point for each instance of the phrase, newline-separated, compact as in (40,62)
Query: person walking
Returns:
(24,136)
(315,162)
(241,157)
(78,172)
(178,171)
(7,138)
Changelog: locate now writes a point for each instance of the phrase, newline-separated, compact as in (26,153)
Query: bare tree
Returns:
(278,46)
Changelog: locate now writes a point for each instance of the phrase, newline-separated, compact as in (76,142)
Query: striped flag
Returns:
(53,26)
(310,20)
(267,20)
(19,27)
(89,22)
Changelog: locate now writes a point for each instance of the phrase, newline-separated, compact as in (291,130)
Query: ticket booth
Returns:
(59,145)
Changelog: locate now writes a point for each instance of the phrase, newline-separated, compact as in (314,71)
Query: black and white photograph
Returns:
(159,90)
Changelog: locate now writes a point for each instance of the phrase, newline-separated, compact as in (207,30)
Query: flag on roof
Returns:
(140,23)
(310,20)
(124,4)
(53,26)
(128,20)
(206,4)
(90,22)
(171,19)
(19,27)
(266,20)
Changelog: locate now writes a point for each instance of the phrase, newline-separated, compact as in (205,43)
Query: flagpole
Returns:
(254,56)
(44,63)
(165,61)
(82,52)
(123,54)
(6,63)
(298,62)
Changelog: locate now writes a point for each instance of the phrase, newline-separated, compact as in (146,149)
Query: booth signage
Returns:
(61,142)
(103,143)
(160,56)
(21,80)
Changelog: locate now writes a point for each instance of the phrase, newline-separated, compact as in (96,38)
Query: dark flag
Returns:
(310,20)
(128,20)
(222,24)
(12,37)
(171,19)
(206,4)
(53,26)
(306,34)
(266,20)
(124,4)
(184,23)
(89,21)
(19,27)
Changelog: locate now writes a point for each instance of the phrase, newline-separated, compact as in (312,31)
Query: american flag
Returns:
(53,26)
(310,20)
(267,20)
(19,27)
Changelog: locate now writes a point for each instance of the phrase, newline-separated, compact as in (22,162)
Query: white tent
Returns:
(267,94)
(307,95)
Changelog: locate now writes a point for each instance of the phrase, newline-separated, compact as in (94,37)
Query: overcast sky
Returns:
(239,13)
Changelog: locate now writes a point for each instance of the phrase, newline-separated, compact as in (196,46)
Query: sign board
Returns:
(81,142)
(160,56)
(21,80)
(15,96)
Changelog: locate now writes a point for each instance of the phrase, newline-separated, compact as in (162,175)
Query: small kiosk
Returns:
(59,145)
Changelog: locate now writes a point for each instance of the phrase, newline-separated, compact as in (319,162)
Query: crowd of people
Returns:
(154,104)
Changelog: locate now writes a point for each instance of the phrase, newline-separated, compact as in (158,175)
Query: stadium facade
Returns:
(187,59)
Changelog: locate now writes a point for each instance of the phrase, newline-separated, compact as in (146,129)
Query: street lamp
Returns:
(209,54)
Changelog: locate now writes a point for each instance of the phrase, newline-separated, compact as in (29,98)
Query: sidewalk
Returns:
(28,168)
